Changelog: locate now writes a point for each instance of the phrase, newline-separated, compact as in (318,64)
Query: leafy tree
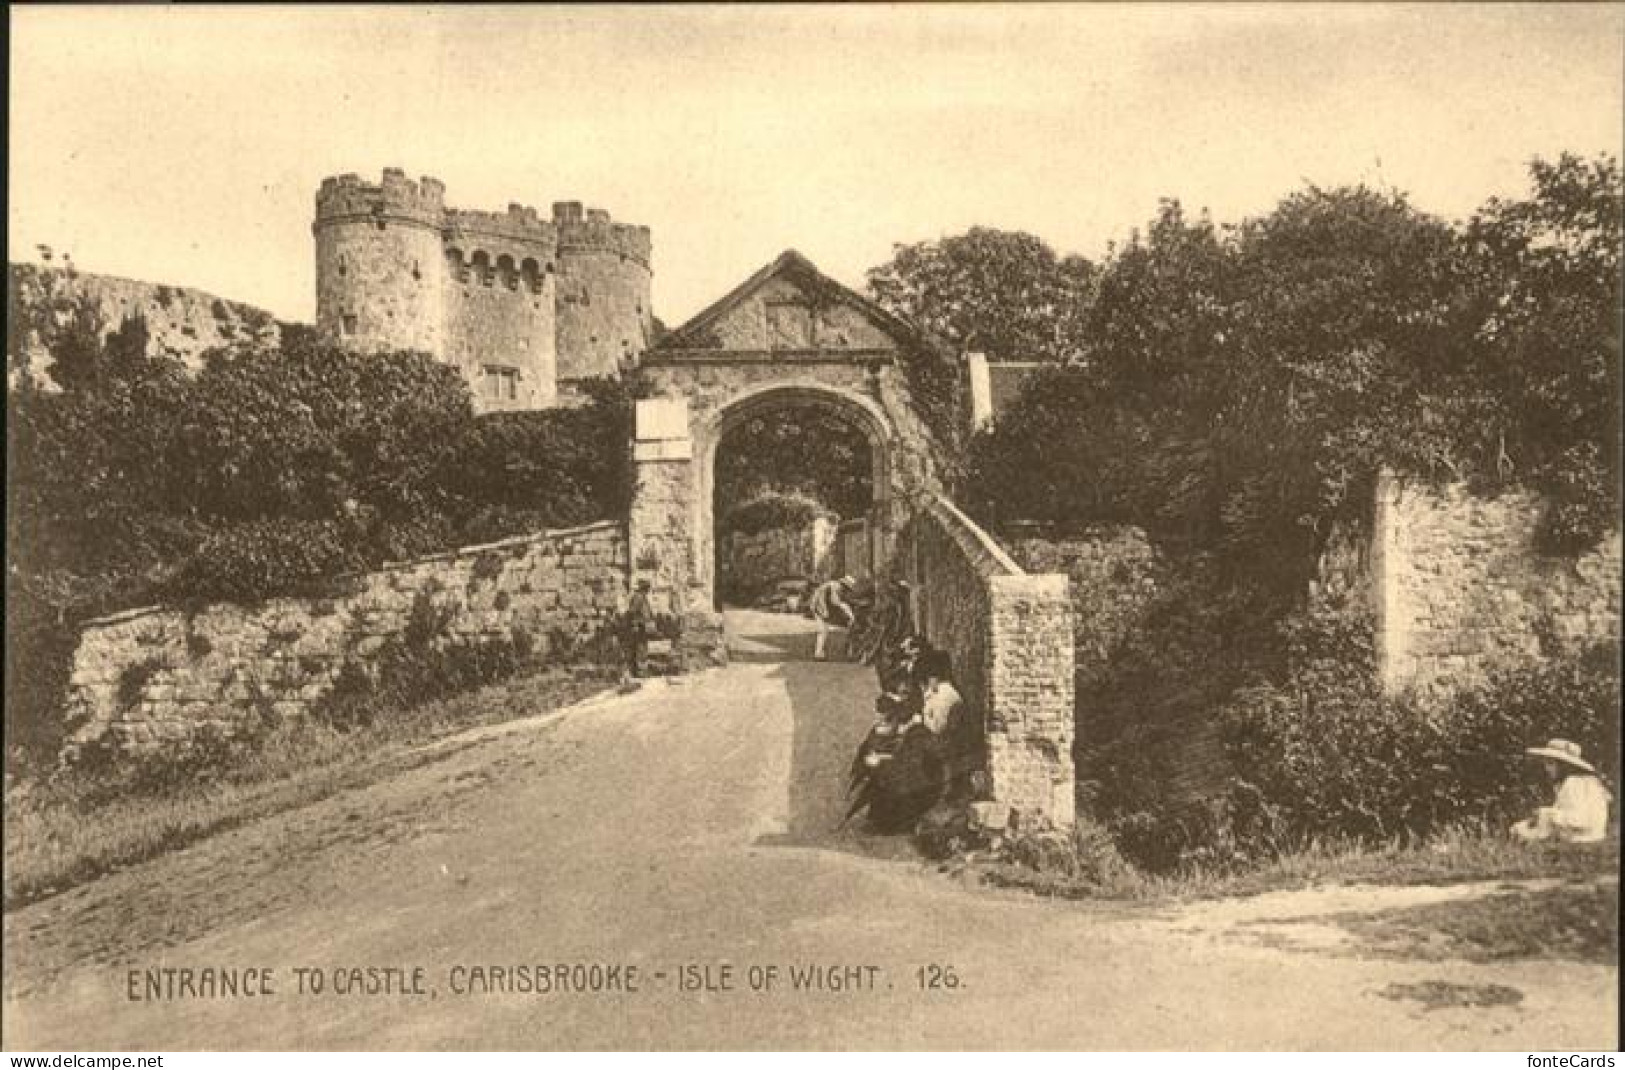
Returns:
(1003,293)
(1547,283)
(1239,391)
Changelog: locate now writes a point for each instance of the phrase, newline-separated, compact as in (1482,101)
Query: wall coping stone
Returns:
(963,527)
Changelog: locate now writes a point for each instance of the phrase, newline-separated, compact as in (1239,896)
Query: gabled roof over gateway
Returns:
(788,310)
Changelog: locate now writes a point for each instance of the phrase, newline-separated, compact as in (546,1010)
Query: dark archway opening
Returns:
(792,497)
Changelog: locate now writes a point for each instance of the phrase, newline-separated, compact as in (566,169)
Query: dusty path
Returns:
(688,824)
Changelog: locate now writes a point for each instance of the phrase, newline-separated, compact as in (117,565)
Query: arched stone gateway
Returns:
(789,337)
(854,409)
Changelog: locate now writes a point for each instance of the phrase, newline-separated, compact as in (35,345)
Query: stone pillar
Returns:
(660,535)
(660,544)
(1031,723)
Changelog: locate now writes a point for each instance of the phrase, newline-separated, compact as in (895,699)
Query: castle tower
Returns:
(379,263)
(516,302)
(501,295)
(604,316)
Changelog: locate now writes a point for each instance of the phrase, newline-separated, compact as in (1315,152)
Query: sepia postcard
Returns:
(845,527)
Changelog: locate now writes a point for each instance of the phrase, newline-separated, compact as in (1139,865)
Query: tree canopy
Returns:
(1003,293)
(1238,389)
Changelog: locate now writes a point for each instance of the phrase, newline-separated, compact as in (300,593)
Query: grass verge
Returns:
(71,828)
(1576,919)
(1088,867)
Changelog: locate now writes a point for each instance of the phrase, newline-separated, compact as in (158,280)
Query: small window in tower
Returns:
(417,272)
(380,224)
(349,323)
(344,267)
(501,383)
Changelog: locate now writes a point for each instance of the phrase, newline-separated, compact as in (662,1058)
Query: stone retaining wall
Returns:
(1010,637)
(152,677)
(1459,588)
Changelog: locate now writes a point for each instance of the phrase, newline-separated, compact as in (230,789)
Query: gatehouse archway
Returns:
(787,338)
(838,460)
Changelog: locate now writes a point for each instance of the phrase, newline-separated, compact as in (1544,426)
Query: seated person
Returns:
(892,712)
(905,782)
(1579,813)
(888,624)
(943,711)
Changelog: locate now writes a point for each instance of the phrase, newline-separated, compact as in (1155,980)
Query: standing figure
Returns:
(1579,814)
(636,625)
(831,607)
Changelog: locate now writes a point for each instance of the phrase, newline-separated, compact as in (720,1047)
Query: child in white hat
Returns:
(1580,812)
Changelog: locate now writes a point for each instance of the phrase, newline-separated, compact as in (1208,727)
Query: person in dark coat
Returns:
(637,624)
(907,781)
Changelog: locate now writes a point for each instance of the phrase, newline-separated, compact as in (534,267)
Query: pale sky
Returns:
(185,145)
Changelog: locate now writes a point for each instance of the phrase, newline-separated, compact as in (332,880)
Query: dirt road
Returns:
(680,839)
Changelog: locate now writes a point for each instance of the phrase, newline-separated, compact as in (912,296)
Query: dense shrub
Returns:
(821,455)
(249,561)
(267,472)
(510,473)
(1238,392)
(1347,760)
(1326,754)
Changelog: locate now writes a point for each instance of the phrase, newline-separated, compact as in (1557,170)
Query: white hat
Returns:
(1563,751)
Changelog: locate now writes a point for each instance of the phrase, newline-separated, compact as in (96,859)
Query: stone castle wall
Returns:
(500,318)
(605,319)
(1458,587)
(1009,634)
(181,322)
(516,301)
(154,677)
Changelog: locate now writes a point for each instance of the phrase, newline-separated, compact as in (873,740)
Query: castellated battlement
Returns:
(592,230)
(347,198)
(516,299)
(518,224)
